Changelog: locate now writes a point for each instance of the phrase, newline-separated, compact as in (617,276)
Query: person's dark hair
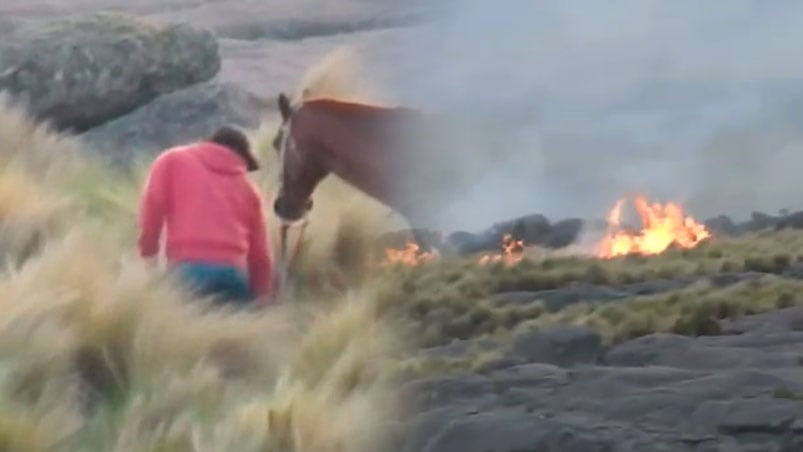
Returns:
(235,140)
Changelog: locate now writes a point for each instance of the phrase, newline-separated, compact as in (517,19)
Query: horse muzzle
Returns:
(288,214)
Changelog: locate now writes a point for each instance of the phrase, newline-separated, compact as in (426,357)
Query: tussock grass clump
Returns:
(38,161)
(140,355)
(29,215)
(478,362)
(33,144)
(693,311)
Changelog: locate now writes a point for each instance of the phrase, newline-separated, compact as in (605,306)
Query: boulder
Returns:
(78,73)
(176,118)
(758,351)
(562,346)
(750,417)
(781,320)
(516,430)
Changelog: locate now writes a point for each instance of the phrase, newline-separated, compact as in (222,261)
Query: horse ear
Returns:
(284,106)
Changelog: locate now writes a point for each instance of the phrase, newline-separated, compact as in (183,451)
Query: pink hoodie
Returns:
(213,213)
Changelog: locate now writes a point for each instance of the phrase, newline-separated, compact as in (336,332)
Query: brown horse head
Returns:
(395,155)
(299,174)
(389,153)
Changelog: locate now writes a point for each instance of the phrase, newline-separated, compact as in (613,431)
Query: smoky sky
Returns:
(686,100)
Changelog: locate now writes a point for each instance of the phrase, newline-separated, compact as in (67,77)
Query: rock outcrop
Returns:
(79,73)
(559,390)
(176,118)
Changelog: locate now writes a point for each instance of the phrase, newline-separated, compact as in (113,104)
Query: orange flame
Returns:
(663,226)
(511,255)
(410,255)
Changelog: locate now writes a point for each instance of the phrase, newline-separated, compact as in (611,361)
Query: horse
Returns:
(404,158)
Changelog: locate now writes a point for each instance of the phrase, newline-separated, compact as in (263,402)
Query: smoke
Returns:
(685,100)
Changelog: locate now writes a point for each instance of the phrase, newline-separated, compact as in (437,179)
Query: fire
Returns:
(410,255)
(663,226)
(511,252)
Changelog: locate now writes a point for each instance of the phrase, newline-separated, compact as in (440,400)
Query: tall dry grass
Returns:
(99,352)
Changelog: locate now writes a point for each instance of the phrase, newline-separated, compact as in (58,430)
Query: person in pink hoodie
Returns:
(216,235)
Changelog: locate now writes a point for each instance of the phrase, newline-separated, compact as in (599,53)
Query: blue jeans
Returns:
(225,283)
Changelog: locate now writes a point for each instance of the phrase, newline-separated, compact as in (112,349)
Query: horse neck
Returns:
(343,144)
(328,133)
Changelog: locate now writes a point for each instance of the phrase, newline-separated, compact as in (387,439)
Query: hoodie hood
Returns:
(220,159)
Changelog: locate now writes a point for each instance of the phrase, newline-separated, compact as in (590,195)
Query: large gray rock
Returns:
(654,408)
(704,353)
(564,346)
(176,118)
(80,72)
(781,320)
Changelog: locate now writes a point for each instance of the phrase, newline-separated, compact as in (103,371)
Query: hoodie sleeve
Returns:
(259,259)
(153,203)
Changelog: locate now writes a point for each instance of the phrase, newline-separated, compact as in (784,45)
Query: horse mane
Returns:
(354,106)
(335,82)
(337,77)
